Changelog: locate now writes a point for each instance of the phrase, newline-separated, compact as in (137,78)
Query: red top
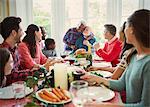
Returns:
(26,61)
(111,51)
(17,74)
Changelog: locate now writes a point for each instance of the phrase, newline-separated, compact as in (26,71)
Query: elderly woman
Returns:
(136,78)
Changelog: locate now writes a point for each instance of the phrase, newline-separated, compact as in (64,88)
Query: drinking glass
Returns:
(79,92)
(71,61)
(19,91)
(63,54)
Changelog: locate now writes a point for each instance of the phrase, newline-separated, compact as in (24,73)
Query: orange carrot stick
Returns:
(43,96)
(51,95)
(63,91)
(61,94)
(56,93)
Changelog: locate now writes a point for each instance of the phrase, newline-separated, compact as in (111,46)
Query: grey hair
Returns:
(82,22)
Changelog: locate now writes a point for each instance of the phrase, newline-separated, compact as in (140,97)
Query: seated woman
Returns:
(31,55)
(136,78)
(112,48)
(6,65)
(86,39)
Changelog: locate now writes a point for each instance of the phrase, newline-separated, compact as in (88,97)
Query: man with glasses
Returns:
(112,48)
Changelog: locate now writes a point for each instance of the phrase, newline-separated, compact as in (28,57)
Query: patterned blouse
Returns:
(124,63)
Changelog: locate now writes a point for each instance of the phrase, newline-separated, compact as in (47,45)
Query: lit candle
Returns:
(60,75)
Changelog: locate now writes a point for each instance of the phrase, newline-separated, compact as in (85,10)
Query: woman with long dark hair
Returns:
(136,78)
(30,50)
(6,65)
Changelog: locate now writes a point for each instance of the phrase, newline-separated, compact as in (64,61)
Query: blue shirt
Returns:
(79,43)
(136,82)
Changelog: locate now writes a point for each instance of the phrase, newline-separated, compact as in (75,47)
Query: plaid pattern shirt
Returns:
(71,36)
(17,73)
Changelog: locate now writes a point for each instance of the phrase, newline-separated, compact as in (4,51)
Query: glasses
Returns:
(19,91)
(79,92)
(105,31)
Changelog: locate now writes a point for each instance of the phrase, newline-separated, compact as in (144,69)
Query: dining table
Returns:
(32,98)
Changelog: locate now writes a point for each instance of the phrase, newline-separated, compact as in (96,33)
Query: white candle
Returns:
(60,75)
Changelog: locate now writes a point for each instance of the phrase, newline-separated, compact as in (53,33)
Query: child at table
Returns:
(49,49)
(6,65)
(86,39)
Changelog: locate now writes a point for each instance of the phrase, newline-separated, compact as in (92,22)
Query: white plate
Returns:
(7,92)
(98,93)
(97,58)
(49,89)
(84,62)
(103,73)
(102,64)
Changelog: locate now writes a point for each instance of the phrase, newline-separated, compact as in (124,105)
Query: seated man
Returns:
(11,32)
(112,48)
(72,35)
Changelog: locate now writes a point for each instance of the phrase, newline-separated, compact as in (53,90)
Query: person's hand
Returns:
(96,46)
(92,68)
(92,78)
(72,46)
(35,67)
(86,42)
(57,61)
(48,63)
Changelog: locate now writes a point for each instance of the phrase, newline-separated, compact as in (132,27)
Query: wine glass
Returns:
(71,61)
(19,91)
(79,92)
(63,54)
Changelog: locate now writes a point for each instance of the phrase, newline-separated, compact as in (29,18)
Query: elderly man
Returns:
(72,35)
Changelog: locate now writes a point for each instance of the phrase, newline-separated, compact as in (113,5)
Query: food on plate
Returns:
(45,97)
(81,53)
(51,95)
(61,94)
(55,95)
(63,91)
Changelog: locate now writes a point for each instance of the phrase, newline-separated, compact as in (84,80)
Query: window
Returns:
(128,7)
(74,12)
(97,11)
(60,15)
(42,14)
(93,11)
